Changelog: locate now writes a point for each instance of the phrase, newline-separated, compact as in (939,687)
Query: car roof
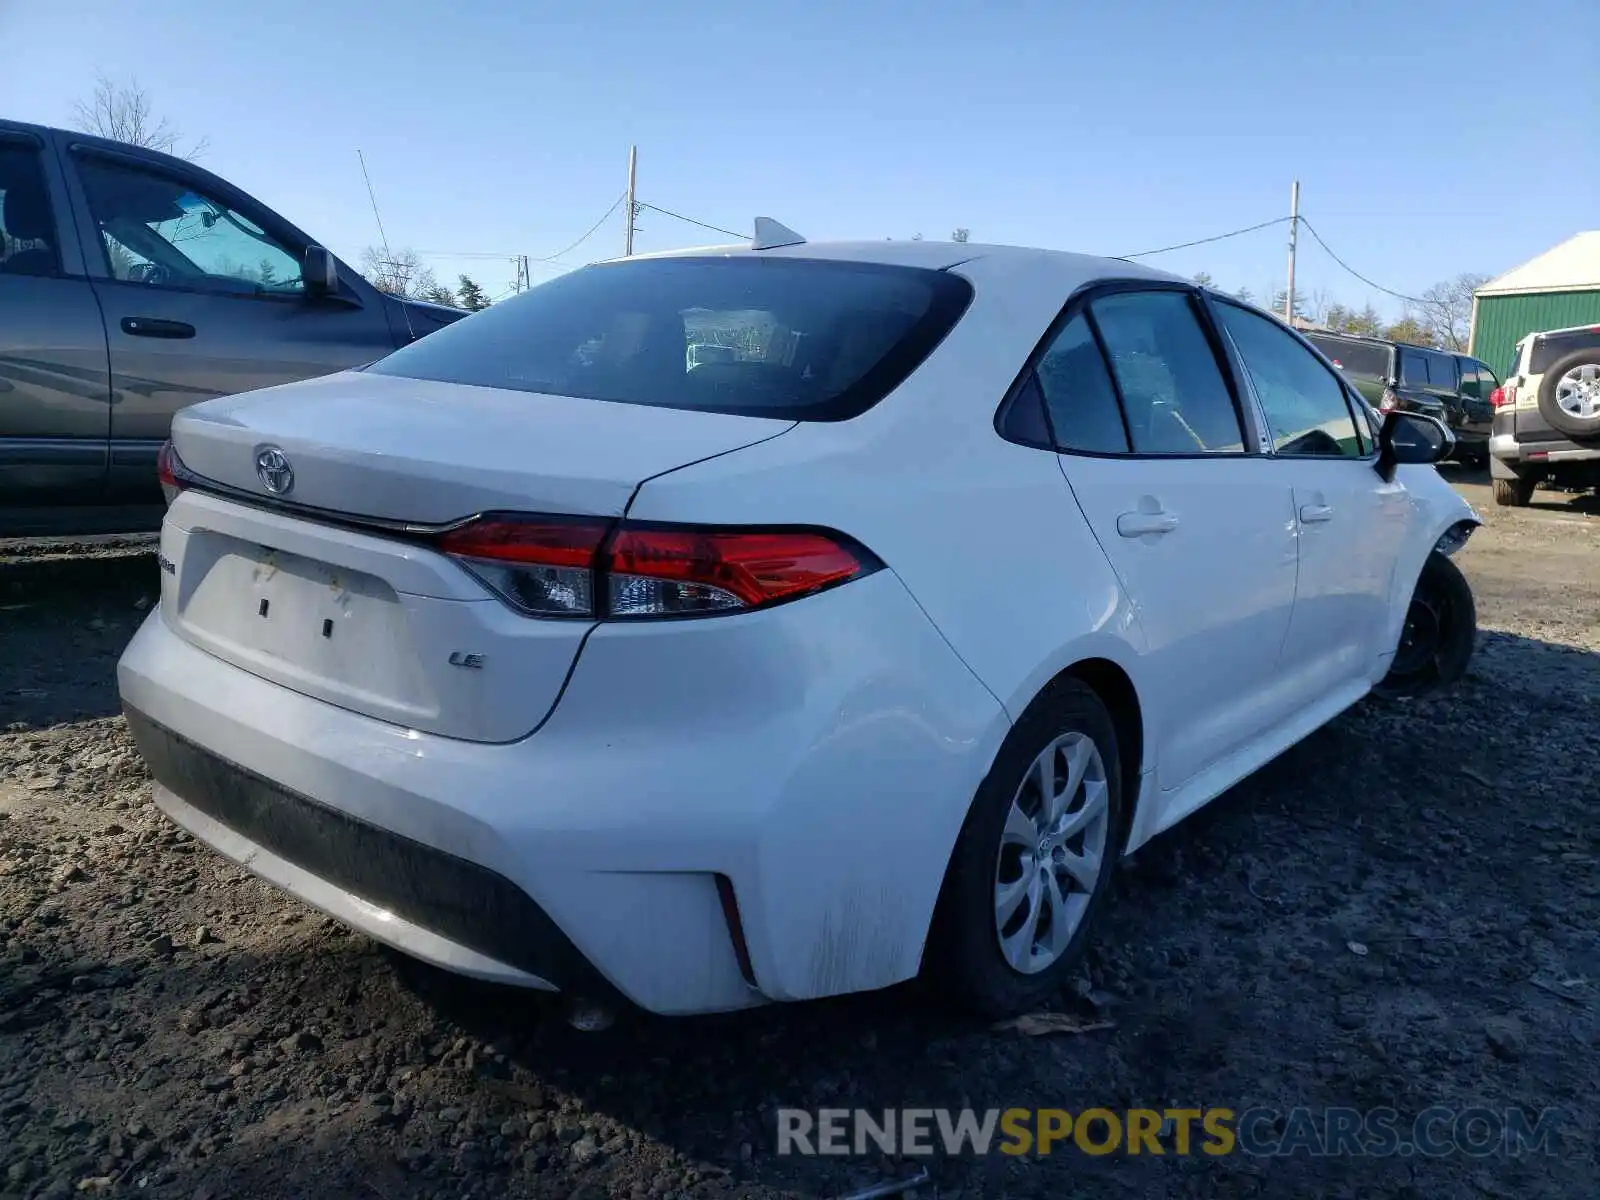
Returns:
(1072,270)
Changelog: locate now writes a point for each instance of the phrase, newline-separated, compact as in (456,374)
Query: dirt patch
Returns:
(1400,912)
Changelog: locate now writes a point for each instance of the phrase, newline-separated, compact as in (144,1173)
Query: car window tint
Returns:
(159,231)
(1413,367)
(1173,391)
(27,229)
(1304,403)
(1363,360)
(1442,371)
(800,339)
(1079,394)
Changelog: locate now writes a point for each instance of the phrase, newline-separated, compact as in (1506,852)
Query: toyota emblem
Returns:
(272,465)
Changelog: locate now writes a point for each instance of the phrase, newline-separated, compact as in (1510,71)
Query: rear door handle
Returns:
(1139,524)
(1311,514)
(156,327)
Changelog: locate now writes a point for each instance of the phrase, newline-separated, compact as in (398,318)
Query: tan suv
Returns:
(1547,416)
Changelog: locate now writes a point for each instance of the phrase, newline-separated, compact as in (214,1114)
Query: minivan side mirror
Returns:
(321,272)
(1410,437)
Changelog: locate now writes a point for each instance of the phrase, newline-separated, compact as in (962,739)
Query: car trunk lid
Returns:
(329,588)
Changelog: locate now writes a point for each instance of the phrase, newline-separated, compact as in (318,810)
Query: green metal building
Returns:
(1557,290)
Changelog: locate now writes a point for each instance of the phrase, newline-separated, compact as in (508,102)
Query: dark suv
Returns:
(1452,387)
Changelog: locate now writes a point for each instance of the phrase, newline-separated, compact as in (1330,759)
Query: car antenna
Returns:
(388,258)
(770,235)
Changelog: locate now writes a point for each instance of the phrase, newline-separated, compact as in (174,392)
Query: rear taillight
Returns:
(1508,395)
(577,567)
(1497,398)
(170,470)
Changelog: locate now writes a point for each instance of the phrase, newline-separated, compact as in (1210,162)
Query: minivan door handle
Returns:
(1310,514)
(156,327)
(1141,524)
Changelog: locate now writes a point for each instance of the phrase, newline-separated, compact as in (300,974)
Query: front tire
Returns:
(1032,868)
(1514,493)
(1439,635)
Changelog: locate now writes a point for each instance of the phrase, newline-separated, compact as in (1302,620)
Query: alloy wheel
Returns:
(1052,853)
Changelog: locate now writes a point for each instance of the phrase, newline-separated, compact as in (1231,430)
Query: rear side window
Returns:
(27,228)
(1413,367)
(1360,360)
(1442,371)
(798,339)
(1079,394)
(1173,392)
(1547,350)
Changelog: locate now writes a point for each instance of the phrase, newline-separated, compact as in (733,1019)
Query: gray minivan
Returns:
(132,284)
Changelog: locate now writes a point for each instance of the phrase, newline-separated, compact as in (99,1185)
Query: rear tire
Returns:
(1030,874)
(1514,493)
(1440,632)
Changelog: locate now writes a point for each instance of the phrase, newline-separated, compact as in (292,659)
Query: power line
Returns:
(1205,241)
(593,229)
(690,220)
(1356,273)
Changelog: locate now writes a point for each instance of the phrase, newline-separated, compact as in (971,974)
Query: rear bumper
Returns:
(1544,453)
(820,757)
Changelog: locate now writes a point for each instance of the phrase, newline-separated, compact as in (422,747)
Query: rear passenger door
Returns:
(1199,529)
(1350,523)
(55,392)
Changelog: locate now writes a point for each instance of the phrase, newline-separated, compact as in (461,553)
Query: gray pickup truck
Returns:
(133,284)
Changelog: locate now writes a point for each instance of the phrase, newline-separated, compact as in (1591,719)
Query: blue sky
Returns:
(1428,137)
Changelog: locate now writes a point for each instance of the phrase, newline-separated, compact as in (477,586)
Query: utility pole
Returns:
(632,211)
(1294,230)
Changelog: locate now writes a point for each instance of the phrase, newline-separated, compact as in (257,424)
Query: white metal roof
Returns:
(1573,266)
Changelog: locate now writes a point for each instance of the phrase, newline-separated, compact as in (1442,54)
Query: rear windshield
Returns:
(798,339)
(1553,346)
(1354,358)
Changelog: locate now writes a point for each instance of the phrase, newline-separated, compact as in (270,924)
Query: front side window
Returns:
(1304,403)
(1173,392)
(159,231)
(1079,394)
(27,229)
(799,339)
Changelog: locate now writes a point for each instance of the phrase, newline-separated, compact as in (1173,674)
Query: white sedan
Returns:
(860,650)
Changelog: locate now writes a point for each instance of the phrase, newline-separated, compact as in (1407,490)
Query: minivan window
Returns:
(1413,367)
(798,339)
(1357,359)
(1442,371)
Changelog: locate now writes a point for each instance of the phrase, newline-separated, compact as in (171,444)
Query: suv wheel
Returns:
(1569,396)
(1514,493)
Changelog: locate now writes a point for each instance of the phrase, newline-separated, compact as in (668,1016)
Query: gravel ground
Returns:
(1402,911)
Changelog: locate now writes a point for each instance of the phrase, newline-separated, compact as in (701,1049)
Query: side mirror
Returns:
(1409,437)
(321,273)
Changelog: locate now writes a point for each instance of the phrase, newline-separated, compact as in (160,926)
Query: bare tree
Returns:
(1446,310)
(961,235)
(402,274)
(123,112)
